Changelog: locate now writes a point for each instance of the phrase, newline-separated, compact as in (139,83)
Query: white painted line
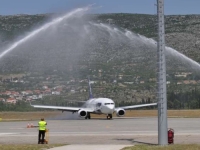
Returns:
(2,134)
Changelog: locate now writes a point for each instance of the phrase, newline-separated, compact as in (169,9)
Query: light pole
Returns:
(161,77)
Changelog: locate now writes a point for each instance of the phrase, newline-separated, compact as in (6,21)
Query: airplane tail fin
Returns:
(90,89)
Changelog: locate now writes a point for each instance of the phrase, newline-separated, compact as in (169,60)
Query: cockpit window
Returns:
(108,103)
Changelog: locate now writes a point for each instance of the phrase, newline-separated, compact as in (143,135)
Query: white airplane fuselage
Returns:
(101,105)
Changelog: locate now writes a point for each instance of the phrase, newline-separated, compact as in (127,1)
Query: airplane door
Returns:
(98,106)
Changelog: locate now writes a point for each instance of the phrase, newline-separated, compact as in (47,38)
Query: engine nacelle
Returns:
(120,112)
(82,113)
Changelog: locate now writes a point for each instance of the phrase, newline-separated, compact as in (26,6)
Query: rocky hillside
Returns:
(182,33)
(125,68)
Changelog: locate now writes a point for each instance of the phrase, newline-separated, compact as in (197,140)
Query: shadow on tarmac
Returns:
(135,142)
(75,116)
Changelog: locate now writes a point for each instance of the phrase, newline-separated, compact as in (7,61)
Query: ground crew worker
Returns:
(42,129)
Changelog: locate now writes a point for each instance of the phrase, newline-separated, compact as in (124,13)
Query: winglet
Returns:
(90,89)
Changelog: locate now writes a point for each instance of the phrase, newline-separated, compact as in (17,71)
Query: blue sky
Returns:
(11,7)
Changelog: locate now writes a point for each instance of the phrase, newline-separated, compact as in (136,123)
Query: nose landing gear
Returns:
(109,116)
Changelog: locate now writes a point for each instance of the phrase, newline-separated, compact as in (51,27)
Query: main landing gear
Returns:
(109,116)
(88,116)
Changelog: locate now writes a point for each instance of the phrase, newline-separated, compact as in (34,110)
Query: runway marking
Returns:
(2,134)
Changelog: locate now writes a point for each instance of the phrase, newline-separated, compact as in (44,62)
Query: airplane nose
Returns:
(109,109)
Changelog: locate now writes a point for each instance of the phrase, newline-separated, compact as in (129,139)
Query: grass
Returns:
(20,116)
(27,147)
(136,147)
(170,147)
(17,116)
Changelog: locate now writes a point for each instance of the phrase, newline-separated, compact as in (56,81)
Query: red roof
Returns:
(28,91)
(11,99)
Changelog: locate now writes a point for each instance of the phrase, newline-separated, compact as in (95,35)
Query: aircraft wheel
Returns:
(109,116)
(86,117)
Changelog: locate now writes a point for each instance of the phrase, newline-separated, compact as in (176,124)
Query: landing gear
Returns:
(109,116)
(88,116)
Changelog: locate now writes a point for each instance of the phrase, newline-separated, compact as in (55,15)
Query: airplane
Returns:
(96,106)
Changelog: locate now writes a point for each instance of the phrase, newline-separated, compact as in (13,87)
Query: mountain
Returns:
(117,50)
(58,49)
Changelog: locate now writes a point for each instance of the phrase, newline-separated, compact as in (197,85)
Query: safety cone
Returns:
(28,125)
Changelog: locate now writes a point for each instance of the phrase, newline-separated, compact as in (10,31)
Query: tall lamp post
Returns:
(161,77)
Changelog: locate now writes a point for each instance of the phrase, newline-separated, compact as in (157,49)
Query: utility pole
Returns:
(161,77)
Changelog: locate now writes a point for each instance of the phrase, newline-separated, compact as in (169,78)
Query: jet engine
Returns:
(120,112)
(82,113)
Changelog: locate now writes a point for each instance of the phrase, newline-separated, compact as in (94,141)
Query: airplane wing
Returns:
(135,106)
(63,108)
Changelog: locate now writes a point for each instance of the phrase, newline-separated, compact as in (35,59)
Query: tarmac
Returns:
(113,134)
